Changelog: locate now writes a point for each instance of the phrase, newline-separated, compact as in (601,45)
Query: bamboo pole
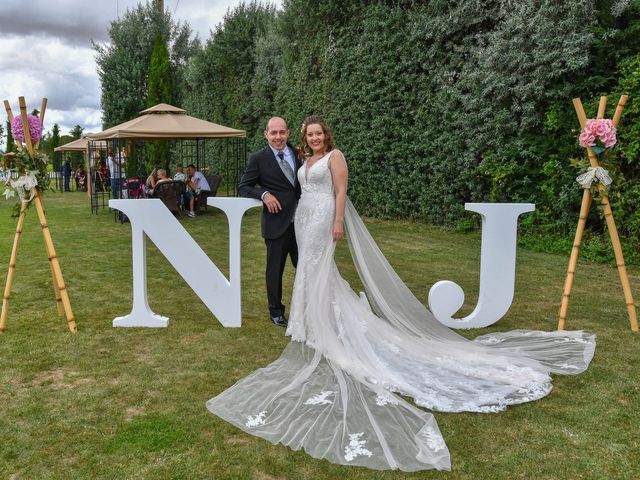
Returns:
(573,261)
(611,225)
(12,267)
(622,269)
(56,291)
(582,220)
(602,107)
(619,108)
(10,117)
(55,264)
(613,233)
(43,108)
(63,304)
(582,117)
(25,126)
(7,107)
(56,287)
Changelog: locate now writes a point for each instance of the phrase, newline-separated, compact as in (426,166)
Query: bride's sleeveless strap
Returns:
(328,154)
(331,155)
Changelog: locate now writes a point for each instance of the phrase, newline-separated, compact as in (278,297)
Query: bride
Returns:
(337,389)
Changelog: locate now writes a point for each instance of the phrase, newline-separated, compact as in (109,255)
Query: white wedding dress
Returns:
(335,390)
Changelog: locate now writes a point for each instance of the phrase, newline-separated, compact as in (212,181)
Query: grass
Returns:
(129,403)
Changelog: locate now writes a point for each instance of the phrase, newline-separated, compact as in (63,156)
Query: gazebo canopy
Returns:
(79,145)
(166,122)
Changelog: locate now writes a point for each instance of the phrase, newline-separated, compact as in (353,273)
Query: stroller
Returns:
(81,181)
(131,188)
(134,187)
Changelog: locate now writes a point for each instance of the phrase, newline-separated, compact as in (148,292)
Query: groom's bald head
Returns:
(277,132)
(276,121)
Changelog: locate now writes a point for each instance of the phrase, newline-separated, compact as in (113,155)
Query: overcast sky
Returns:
(46,52)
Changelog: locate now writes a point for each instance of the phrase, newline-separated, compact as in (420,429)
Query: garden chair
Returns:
(214,183)
(170,192)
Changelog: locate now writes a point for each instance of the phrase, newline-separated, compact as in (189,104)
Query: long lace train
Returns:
(305,402)
(335,390)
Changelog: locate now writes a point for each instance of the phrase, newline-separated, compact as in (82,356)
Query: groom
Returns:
(274,170)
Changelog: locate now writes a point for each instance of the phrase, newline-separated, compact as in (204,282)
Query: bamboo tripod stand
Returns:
(608,215)
(63,306)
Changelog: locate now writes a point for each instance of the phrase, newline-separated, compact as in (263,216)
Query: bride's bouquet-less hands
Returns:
(33,176)
(599,135)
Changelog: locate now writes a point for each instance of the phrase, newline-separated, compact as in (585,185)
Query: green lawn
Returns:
(129,403)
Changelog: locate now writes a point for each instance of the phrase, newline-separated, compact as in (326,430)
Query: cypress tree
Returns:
(76,157)
(55,136)
(50,147)
(158,91)
(10,141)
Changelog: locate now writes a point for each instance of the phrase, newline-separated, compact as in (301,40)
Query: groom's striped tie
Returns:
(286,168)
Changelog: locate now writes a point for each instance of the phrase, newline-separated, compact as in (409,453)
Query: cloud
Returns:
(47,51)
(74,21)
(89,119)
(64,74)
(77,22)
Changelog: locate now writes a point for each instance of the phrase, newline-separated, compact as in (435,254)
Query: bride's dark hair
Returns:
(329,143)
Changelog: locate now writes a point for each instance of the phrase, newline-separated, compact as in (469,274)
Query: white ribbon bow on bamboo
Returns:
(594,174)
(25,184)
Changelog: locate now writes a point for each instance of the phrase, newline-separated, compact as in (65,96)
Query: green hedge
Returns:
(440,103)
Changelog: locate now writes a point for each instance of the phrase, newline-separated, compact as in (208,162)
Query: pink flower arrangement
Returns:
(35,128)
(598,129)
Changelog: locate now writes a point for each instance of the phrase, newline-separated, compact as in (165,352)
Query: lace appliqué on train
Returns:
(320,398)
(256,420)
(356,447)
(434,440)
(385,398)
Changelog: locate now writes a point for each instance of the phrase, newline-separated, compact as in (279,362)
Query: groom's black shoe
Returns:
(279,320)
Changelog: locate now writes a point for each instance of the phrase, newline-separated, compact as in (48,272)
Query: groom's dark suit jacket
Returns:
(263,170)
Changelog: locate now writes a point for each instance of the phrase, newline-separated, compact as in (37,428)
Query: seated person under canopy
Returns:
(196,182)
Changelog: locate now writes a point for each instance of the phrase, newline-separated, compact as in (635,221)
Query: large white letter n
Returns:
(151,218)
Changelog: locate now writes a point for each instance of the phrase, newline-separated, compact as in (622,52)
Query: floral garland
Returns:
(35,128)
(599,135)
(32,171)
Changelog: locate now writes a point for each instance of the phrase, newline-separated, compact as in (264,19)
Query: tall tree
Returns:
(159,79)
(49,144)
(76,157)
(10,141)
(76,132)
(158,91)
(123,62)
(264,86)
(55,136)
(220,76)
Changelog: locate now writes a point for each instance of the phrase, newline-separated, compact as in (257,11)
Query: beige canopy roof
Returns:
(166,122)
(79,145)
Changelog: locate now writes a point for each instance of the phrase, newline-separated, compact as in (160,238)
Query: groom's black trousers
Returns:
(277,251)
